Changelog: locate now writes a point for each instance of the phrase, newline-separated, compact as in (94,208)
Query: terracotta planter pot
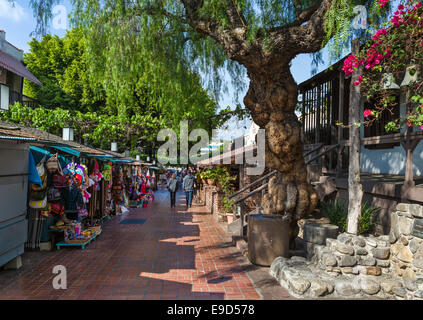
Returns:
(230,217)
(210,182)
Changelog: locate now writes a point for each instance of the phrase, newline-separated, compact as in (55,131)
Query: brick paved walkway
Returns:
(175,254)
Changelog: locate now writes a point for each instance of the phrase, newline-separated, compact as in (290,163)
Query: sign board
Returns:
(417,230)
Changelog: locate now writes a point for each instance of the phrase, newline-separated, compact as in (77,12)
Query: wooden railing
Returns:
(22,99)
(263,187)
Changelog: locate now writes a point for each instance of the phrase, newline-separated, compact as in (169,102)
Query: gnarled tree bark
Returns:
(273,96)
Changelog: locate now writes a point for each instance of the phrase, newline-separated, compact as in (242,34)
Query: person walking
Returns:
(172,186)
(188,186)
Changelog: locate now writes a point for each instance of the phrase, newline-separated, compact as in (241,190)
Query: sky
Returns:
(18,22)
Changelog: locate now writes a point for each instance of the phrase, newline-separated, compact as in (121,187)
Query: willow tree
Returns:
(165,38)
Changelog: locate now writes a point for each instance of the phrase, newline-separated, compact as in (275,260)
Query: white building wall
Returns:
(391,161)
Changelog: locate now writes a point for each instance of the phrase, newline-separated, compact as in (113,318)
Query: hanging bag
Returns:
(53,195)
(39,204)
(52,164)
(37,187)
(40,167)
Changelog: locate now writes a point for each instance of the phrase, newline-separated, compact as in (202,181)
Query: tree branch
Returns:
(290,40)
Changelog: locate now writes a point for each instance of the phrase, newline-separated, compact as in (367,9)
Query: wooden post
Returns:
(409,147)
(303,113)
(355,190)
(340,119)
(317,117)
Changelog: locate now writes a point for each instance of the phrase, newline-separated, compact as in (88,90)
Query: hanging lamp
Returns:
(388,82)
(411,75)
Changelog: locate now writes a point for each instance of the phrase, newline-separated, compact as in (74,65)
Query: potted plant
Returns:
(227,207)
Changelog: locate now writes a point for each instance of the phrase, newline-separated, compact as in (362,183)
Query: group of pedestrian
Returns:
(188,186)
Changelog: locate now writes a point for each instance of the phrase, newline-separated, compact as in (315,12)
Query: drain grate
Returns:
(133,221)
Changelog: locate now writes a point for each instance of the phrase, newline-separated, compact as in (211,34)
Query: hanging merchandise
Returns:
(107,172)
(86,178)
(57,208)
(52,164)
(39,204)
(38,194)
(53,194)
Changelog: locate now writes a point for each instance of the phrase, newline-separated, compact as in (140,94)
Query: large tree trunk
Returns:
(272,98)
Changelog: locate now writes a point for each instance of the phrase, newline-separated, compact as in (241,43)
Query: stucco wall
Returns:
(391,161)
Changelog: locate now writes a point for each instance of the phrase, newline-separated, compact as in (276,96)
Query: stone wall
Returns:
(406,248)
(386,267)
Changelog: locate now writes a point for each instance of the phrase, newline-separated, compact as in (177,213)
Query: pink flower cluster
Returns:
(383,2)
(374,57)
(367,113)
(399,15)
(350,63)
(360,80)
(379,33)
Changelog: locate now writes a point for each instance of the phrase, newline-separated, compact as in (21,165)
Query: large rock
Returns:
(404,254)
(361,251)
(373,271)
(388,284)
(383,263)
(347,261)
(418,263)
(381,252)
(329,260)
(413,245)
(399,291)
(410,285)
(360,242)
(277,265)
(408,274)
(403,240)
(298,285)
(371,242)
(320,288)
(346,288)
(366,261)
(318,233)
(330,243)
(345,238)
(369,286)
(401,224)
(416,210)
(344,248)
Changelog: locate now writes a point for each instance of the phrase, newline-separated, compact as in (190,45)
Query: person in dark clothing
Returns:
(188,186)
(172,186)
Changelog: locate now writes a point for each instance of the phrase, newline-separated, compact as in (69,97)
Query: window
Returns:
(377,128)
(4,97)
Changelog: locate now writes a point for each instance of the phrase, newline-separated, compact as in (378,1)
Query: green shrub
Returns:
(337,214)
(367,212)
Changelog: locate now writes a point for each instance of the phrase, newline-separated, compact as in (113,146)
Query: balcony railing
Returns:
(22,99)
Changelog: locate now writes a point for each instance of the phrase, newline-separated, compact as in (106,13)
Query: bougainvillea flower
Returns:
(383,2)
(367,113)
